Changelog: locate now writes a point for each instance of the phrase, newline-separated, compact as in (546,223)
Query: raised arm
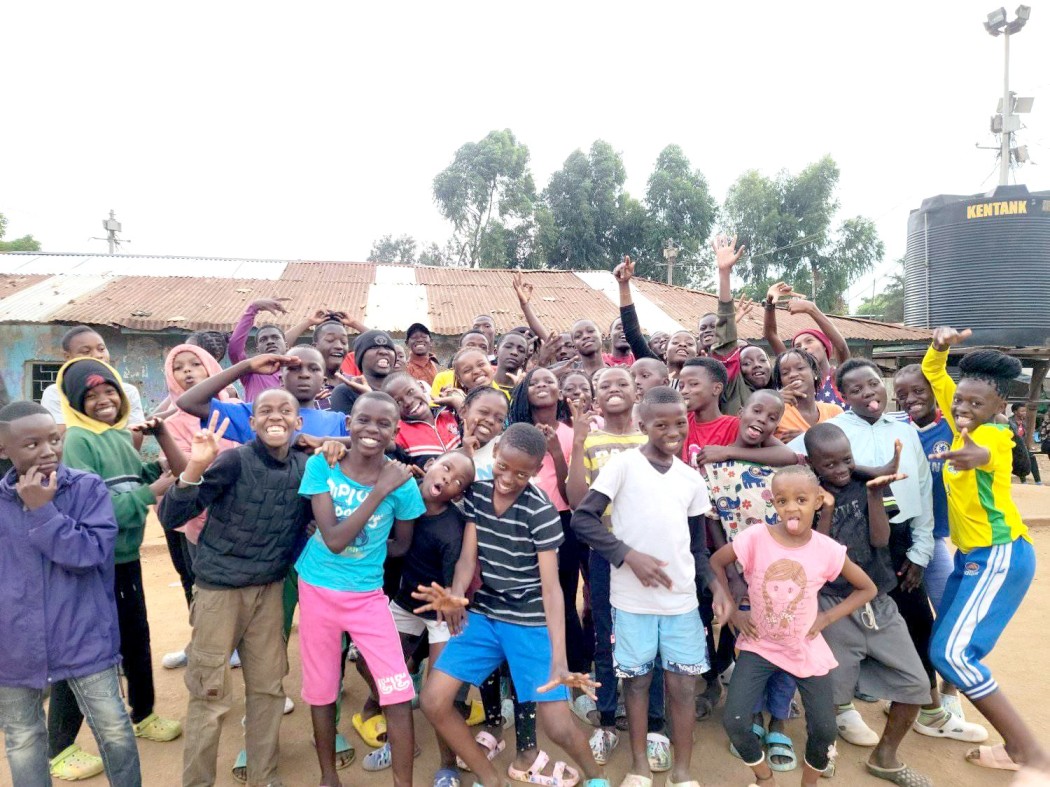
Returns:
(769,319)
(197,400)
(523,290)
(632,330)
(838,344)
(727,254)
(935,368)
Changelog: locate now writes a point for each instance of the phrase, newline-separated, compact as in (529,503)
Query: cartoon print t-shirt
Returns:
(740,492)
(359,567)
(783,583)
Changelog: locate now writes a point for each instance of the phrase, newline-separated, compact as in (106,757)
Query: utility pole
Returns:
(112,227)
(671,250)
(1008,121)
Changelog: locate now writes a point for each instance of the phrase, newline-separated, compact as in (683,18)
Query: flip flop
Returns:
(447,777)
(240,767)
(994,757)
(583,706)
(779,745)
(562,775)
(760,733)
(372,730)
(634,780)
(488,742)
(903,776)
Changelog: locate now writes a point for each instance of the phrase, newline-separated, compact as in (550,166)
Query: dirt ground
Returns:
(1020,670)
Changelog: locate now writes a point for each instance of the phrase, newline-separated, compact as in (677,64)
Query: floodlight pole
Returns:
(1006,136)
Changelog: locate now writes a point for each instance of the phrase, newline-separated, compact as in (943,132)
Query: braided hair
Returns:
(993,367)
(520,409)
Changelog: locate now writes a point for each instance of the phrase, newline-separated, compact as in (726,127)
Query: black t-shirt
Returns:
(849,526)
(436,544)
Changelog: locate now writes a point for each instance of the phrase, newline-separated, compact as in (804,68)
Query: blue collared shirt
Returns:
(872,446)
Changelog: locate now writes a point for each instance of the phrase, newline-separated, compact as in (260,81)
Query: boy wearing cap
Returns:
(421,361)
(374,354)
(96,409)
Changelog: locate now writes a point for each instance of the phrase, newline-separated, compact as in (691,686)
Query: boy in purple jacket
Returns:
(59,616)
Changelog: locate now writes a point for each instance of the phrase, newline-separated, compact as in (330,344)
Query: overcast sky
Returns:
(307,130)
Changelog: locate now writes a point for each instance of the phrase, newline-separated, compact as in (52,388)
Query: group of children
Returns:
(433,528)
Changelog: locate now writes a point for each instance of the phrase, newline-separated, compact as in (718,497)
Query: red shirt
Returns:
(721,431)
(611,360)
(423,441)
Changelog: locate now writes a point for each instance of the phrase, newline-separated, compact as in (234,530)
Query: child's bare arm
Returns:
(838,344)
(402,540)
(864,590)
(197,400)
(339,535)
(553,610)
(772,453)
(523,290)
(468,561)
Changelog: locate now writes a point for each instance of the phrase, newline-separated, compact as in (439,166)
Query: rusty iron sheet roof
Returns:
(559,298)
(147,303)
(12,283)
(37,301)
(688,306)
(330,271)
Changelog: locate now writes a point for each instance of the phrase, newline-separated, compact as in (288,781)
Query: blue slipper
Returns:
(447,777)
(779,745)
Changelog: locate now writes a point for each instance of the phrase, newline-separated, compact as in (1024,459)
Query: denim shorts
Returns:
(678,640)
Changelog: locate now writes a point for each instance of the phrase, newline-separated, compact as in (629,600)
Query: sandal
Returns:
(586,710)
(903,776)
(476,715)
(240,767)
(779,745)
(706,703)
(372,730)
(344,752)
(561,776)
(381,758)
(488,742)
(73,764)
(154,728)
(634,780)
(446,777)
(658,752)
(994,757)
(760,733)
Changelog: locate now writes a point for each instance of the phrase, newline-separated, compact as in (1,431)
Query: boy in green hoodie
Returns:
(95,410)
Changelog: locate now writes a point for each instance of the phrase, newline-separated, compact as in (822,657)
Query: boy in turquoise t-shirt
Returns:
(356,504)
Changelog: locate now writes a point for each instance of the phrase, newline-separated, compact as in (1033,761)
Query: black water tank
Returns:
(981,262)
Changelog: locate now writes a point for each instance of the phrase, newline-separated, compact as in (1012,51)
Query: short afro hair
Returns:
(377,396)
(20,409)
(662,394)
(821,435)
(525,438)
(74,332)
(715,369)
(803,471)
(327,325)
(852,365)
(991,366)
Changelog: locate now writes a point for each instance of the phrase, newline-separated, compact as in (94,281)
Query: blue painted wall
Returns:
(139,357)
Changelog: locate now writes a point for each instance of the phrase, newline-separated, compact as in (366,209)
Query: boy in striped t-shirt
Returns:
(514,532)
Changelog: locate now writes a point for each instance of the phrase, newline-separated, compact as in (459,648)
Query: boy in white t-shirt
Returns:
(658,550)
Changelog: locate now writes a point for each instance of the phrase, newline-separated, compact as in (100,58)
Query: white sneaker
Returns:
(602,743)
(174,660)
(951,726)
(289,706)
(853,729)
(235,660)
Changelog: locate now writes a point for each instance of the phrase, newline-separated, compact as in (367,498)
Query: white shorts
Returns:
(414,625)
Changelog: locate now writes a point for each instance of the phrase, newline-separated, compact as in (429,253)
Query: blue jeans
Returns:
(98,695)
(937,572)
(604,672)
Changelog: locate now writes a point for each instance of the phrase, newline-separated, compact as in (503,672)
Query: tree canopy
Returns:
(25,243)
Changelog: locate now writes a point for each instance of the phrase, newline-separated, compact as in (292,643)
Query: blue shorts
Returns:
(679,640)
(981,596)
(485,644)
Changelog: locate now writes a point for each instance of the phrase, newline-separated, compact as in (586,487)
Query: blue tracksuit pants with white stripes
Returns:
(983,592)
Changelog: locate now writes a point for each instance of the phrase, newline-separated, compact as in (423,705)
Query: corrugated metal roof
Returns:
(150,304)
(457,295)
(303,270)
(688,306)
(39,302)
(12,283)
(132,265)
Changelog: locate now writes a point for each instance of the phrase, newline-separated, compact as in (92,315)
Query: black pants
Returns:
(573,557)
(720,656)
(914,605)
(748,687)
(1035,469)
(64,716)
(179,549)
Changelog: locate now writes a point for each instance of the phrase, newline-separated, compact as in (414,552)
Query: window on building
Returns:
(41,375)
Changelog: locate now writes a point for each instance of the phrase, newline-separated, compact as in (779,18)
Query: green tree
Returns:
(486,192)
(888,303)
(595,220)
(787,222)
(25,243)
(679,207)
(389,249)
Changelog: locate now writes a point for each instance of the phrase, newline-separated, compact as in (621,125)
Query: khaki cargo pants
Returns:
(248,620)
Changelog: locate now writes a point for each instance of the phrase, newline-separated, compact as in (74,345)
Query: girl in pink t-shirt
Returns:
(785,565)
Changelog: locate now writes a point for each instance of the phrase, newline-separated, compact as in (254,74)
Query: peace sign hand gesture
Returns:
(205,445)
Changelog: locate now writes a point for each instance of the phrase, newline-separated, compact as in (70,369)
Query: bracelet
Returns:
(182,480)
